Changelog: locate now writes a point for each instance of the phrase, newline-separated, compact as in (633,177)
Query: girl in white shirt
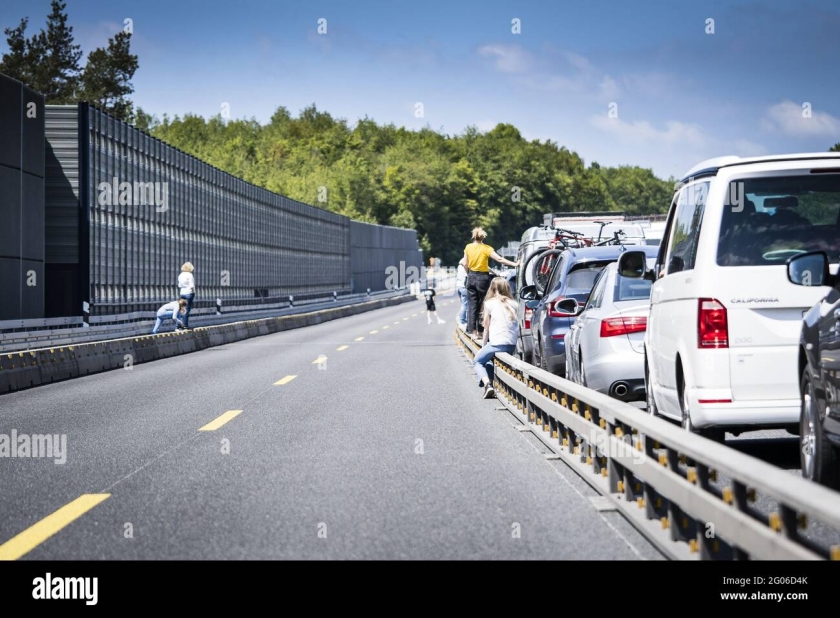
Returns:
(186,284)
(501,331)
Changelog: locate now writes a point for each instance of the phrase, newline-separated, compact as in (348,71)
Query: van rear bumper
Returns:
(714,407)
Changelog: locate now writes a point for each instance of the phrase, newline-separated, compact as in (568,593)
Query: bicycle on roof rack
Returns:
(617,239)
(542,262)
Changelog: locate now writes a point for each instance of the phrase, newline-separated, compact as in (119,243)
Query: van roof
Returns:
(710,167)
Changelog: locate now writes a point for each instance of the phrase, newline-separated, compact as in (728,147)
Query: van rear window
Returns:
(768,220)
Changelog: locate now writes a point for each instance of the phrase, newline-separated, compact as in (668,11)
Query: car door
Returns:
(828,354)
(672,303)
(589,329)
(538,317)
(653,337)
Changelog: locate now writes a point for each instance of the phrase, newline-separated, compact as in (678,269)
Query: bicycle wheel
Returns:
(542,264)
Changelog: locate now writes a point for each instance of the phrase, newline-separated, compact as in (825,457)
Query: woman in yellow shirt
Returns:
(476,260)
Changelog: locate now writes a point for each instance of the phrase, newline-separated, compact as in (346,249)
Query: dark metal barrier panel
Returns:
(152,207)
(62,250)
(22,281)
(383,257)
(126,210)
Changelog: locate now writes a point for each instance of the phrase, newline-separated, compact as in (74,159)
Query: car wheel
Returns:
(712,433)
(816,454)
(651,402)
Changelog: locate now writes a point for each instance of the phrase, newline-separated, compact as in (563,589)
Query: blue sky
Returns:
(681,94)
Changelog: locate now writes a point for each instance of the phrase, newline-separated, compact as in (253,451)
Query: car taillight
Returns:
(554,313)
(610,327)
(528,314)
(712,324)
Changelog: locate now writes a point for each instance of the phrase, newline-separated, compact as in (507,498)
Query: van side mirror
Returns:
(809,269)
(529,292)
(633,265)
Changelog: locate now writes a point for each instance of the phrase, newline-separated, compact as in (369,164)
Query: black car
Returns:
(819,368)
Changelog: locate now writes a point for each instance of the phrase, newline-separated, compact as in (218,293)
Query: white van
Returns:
(721,347)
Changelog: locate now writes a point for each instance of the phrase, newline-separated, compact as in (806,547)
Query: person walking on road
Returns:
(186,285)
(176,310)
(476,261)
(429,293)
(501,330)
(461,287)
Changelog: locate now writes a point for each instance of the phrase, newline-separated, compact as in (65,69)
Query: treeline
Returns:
(440,185)
(49,62)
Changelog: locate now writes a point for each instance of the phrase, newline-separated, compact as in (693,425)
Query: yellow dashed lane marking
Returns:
(404,319)
(413,315)
(358,338)
(384,327)
(342,348)
(397,322)
(319,360)
(285,380)
(373,332)
(224,418)
(33,536)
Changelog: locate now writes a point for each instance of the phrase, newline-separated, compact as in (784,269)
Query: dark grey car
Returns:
(819,371)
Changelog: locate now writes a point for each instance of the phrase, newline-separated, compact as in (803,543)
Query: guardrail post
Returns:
(683,527)
(335,296)
(86,314)
(218,306)
(291,301)
(740,499)
(368,291)
(711,548)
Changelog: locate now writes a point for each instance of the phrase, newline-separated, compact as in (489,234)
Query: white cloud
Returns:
(654,85)
(689,135)
(508,58)
(609,88)
(787,118)
(581,63)
(746,148)
(485,125)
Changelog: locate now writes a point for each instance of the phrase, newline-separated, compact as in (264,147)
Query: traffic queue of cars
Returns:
(731,324)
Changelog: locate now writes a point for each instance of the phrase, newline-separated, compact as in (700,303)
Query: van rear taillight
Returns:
(528,314)
(712,324)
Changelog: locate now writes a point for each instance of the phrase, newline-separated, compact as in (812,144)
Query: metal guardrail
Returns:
(691,497)
(22,370)
(24,335)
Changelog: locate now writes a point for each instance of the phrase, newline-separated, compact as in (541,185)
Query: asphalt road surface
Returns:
(361,438)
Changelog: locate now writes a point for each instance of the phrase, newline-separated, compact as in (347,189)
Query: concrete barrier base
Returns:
(21,370)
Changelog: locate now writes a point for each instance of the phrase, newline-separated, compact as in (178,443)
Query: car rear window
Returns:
(631,289)
(581,277)
(769,220)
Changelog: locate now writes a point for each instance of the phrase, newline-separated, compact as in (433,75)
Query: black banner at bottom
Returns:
(215,585)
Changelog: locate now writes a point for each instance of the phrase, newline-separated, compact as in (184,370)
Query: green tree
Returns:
(17,61)
(438,184)
(106,80)
(835,148)
(54,59)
